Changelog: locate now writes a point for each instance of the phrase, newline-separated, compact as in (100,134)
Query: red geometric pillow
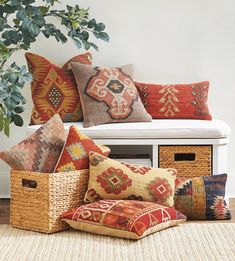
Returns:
(123,218)
(74,155)
(179,101)
(54,89)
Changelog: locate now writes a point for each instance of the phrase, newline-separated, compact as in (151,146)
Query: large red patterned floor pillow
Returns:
(54,89)
(122,218)
(175,101)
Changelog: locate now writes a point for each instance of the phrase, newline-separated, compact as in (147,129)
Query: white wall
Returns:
(168,41)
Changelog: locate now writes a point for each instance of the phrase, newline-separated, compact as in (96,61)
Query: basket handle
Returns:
(29,183)
(185,156)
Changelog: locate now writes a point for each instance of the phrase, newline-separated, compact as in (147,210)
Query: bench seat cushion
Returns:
(157,129)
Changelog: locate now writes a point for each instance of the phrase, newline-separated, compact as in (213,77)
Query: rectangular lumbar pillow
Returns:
(54,89)
(74,155)
(122,218)
(40,151)
(108,95)
(111,179)
(202,197)
(175,101)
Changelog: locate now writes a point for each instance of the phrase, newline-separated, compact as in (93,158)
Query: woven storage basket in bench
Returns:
(38,199)
(190,161)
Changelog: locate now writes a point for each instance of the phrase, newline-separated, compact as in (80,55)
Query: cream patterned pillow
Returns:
(110,179)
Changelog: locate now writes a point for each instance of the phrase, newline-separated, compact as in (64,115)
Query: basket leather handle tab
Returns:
(29,183)
(185,156)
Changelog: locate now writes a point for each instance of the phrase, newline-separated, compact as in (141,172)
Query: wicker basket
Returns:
(190,161)
(38,199)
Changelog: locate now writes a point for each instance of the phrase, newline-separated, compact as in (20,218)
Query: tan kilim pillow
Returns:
(111,179)
(40,151)
(108,95)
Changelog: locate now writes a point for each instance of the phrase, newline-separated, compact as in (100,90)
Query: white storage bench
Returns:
(194,147)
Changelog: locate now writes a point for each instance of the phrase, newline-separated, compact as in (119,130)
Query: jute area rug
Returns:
(189,241)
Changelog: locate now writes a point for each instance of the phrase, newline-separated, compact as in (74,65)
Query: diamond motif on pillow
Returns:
(159,189)
(55,97)
(75,152)
(54,89)
(114,181)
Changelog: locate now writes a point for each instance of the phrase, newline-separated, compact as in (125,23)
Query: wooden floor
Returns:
(5,211)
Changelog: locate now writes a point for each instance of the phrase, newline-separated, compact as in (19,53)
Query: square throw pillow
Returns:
(202,197)
(108,95)
(123,218)
(54,89)
(40,151)
(74,155)
(178,101)
(111,179)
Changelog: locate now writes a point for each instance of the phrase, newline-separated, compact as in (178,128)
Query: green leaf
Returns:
(28,2)
(9,9)
(13,78)
(16,96)
(18,121)
(1,120)
(19,109)
(38,20)
(44,10)
(10,104)
(3,22)
(16,21)
(97,35)
(7,122)
(77,43)
(92,23)
(15,2)
(62,37)
(104,36)
(31,27)
(100,27)
(86,44)
(85,35)
(21,15)
(94,46)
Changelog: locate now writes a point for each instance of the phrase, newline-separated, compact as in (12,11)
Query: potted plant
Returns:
(21,22)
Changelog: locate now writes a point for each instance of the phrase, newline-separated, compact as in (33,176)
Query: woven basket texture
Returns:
(200,166)
(38,199)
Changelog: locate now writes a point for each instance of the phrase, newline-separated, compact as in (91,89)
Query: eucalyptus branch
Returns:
(28,22)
